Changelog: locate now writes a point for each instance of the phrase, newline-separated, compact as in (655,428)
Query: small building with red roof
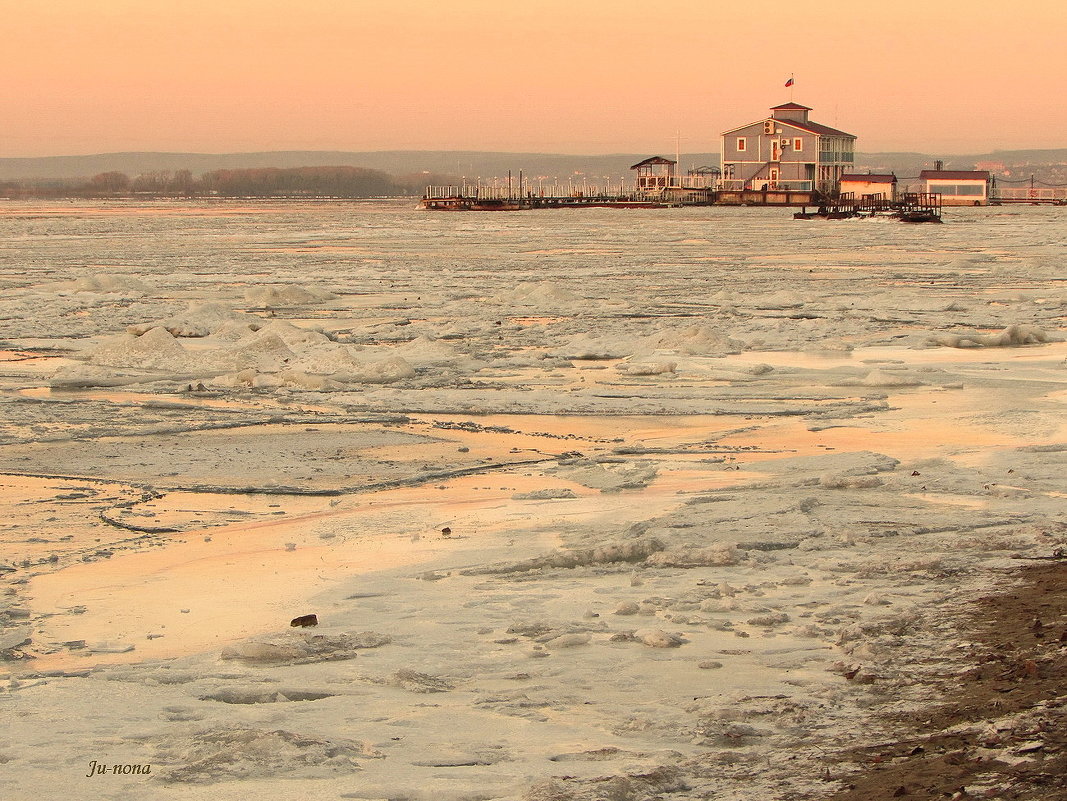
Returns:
(869,186)
(786,151)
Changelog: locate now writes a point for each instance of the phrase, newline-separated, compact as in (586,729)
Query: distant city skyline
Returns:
(215,76)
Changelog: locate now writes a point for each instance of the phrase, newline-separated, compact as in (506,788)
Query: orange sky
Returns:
(578,76)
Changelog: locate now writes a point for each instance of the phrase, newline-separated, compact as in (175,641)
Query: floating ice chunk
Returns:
(725,297)
(328,358)
(607,477)
(337,367)
(301,647)
(718,555)
(234,330)
(586,347)
(542,294)
(695,340)
(606,553)
(104,284)
(1011,336)
(241,753)
(315,383)
(287,295)
(242,378)
(262,353)
(782,299)
(647,367)
(200,320)
(658,638)
(15,639)
(544,495)
(755,369)
(291,334)
(423,352)
(569,640)
(882,378)
(385,372)
(155,350)
(82,375)
(846,481)
(829,346)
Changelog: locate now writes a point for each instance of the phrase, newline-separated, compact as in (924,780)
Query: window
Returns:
(798,144)
(742,144)
(958,189)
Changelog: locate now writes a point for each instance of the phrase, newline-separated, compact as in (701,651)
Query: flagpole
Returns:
(791,87)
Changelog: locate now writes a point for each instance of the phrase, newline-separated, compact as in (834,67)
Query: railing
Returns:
(1047,194)
(530,189)
(756,185)
(473,192)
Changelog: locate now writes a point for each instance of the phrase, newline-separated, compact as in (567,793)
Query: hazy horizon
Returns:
(666,152)
(114,76)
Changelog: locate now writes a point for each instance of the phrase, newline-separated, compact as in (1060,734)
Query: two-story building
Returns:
(786,151)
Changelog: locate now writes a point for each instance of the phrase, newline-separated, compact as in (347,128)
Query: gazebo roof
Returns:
(651,161)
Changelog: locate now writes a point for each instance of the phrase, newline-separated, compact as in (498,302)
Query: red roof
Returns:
(810,127)
(972,175)
(790,107)
(817,128)
(860,178)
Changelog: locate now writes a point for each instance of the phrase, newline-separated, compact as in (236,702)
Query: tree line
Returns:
(344,182)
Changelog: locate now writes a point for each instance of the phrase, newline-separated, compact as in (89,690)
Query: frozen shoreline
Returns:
(697,521)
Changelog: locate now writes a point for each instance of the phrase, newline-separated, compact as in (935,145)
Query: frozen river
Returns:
(593,500)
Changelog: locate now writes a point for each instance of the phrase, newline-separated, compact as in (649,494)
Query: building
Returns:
(870,185)
(655,173)
(957,187)
(786,151)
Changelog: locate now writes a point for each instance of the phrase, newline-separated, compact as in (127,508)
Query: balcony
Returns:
(737,184)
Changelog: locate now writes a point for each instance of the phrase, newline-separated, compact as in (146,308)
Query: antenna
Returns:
(677,155)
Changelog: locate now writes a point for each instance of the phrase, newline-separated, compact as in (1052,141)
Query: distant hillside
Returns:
(395,162)
(470,164)
(909,164)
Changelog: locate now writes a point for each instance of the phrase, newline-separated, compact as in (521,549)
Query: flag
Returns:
(790,81)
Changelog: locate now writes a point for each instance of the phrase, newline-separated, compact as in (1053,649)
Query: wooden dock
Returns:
(912,207)
(482,198)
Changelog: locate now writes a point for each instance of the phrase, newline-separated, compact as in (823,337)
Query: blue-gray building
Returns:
(786,151)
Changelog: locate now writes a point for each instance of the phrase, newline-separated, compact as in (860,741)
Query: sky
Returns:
(561,76)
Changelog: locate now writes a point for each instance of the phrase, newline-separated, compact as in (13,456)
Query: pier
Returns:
(490,198)
(912,207)
(1034,196)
